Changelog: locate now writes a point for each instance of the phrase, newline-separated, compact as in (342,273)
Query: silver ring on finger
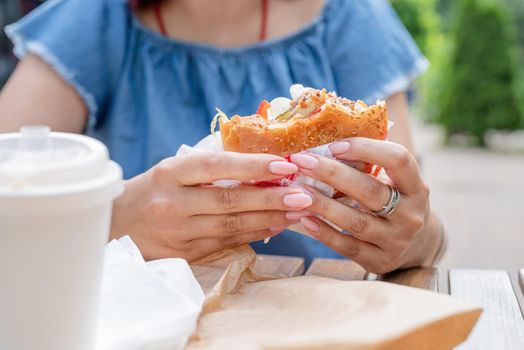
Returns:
(391,205)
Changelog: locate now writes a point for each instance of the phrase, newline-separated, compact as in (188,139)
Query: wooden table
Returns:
(501,325)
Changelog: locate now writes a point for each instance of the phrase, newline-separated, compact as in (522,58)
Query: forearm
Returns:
(126,209)
(398,113)
(121,206)
(439,241)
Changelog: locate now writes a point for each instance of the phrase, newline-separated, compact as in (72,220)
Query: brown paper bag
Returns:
(244,310)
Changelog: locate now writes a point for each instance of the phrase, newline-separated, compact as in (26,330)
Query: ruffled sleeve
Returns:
(371,53)
(82,40)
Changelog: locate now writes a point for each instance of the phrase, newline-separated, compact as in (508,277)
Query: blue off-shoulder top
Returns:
(147,94)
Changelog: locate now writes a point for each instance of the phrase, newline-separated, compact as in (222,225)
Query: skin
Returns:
(170,211)
(379,244)
(175,216)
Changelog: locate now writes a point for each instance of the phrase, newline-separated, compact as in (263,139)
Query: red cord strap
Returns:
(263,22)
(159,19)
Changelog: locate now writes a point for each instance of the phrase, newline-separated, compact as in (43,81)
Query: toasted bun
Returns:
(255,135)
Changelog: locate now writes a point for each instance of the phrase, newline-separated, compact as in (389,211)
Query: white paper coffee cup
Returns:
(56,194)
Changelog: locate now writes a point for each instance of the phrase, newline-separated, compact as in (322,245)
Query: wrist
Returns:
(434,238)
(429,244)
(121,214)
(442,244)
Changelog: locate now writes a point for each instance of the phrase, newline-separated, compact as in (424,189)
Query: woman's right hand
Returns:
(172,211)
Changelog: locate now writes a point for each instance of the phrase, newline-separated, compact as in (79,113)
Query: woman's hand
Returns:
(171,211)
(407,237)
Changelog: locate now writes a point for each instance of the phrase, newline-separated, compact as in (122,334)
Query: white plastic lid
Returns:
(39,163)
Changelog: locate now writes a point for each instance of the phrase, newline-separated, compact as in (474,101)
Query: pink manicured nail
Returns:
(304,161)
(297,200)
(282,168)
(276,229)
(310,225)
(297,215)
(339,147)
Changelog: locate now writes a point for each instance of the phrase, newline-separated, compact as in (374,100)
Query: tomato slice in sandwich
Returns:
(262,109)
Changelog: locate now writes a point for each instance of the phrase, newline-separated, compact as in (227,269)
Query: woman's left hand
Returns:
(405,238)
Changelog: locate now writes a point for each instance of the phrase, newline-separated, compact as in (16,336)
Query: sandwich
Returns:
(311,118)
(309,121)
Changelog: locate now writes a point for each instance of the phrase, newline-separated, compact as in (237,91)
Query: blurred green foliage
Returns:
(479,88)
(477,62)
(444,8)
(424,22)
(421,20)
(516,10)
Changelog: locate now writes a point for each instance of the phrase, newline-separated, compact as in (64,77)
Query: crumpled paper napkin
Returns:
(146,305)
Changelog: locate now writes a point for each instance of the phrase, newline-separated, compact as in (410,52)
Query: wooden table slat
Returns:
(424,277)
(277,265)
(501,325)
(345,270)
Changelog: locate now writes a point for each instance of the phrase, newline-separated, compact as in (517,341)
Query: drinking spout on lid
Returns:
(34,138)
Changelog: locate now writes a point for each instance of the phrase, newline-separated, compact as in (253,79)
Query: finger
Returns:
(366,189)
(365,254)
(360,166)
(400,165)
(206,167)
(362,225)
(237,223)
(217,200)
(205,246)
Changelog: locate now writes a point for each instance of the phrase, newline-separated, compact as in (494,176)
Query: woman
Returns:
(146,78)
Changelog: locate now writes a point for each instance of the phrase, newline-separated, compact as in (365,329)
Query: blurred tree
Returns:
(424,23)
(516,8)
(445,8)
(421,20)
(479,80)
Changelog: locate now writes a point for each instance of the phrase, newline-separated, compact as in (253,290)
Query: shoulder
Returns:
(357,6)
(84,41)
(78,10)
(370,50)
(72,25)
(85,4)
(363,25)
(353,12)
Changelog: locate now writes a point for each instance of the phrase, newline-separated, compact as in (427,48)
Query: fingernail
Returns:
(297,200)
(304,161)
(297,215)
(339,147)
(282,168)
(310,225)
(277,229)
